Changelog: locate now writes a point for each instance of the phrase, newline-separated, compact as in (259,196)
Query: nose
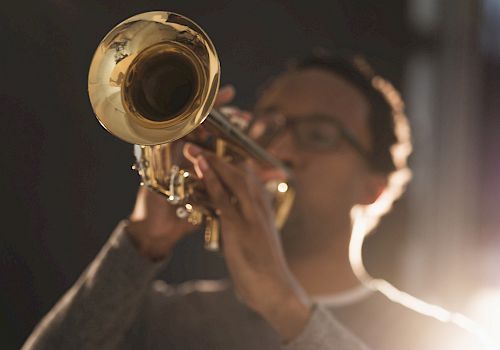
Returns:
(282,146)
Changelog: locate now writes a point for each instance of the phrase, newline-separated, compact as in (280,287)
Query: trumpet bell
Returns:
(154,78)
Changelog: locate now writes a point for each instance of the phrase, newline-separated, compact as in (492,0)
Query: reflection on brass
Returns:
(153,80)
(212,233)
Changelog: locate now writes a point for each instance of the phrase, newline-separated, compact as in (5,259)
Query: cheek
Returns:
(332,181)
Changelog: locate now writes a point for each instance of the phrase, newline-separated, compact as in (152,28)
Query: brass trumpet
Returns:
(153,79)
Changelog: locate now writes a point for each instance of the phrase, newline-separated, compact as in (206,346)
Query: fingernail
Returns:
(192,149)
(202,163)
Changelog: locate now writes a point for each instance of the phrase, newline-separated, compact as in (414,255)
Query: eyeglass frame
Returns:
(288,122)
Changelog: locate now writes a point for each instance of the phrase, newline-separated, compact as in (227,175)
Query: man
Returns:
(342,131)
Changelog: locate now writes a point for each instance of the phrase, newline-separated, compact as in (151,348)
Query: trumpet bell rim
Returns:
(134,41)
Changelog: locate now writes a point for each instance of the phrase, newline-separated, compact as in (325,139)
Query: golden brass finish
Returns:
(130,45)
(212,233)
(153,79)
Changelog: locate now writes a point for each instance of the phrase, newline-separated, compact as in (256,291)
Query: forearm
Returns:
(97,311)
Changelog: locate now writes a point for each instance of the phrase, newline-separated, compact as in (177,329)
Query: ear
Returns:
(374,185)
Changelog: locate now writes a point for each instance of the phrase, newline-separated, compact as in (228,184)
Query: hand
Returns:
(252,247)
(154,226)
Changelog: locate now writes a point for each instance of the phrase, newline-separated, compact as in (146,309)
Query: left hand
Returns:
(252,247)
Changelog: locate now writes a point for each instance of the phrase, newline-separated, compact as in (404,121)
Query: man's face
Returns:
(329,182)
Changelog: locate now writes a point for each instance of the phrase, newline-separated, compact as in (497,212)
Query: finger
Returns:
(237,117)
(239,180)
(191,153)
(219,196)
(270,174)
(225,95)
(230,175)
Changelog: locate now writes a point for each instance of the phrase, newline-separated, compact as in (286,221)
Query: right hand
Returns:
(154,226)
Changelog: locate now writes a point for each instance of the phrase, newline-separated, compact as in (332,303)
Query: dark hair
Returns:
(383,99)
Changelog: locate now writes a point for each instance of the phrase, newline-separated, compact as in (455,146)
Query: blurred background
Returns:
(66,182)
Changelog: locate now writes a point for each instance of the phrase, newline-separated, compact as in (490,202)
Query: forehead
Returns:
(316,91)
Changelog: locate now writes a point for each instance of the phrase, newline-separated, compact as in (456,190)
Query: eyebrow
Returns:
(317,115)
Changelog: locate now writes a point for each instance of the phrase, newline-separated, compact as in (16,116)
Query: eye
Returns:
(319,134)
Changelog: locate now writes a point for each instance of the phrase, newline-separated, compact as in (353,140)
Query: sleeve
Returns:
(324,332)
(99,309)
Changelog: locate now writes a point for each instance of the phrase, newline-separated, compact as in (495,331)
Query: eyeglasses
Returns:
(316,133)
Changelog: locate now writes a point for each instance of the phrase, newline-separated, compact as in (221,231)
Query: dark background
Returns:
(66,182)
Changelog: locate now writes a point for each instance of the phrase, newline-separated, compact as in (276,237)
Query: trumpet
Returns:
(153,80)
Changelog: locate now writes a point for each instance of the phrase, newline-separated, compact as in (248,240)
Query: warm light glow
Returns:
(186,174)
(189,207)
(363,223)
(484,307)
(282,187)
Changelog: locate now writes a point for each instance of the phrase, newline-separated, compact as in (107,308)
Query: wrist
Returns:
(150,244)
